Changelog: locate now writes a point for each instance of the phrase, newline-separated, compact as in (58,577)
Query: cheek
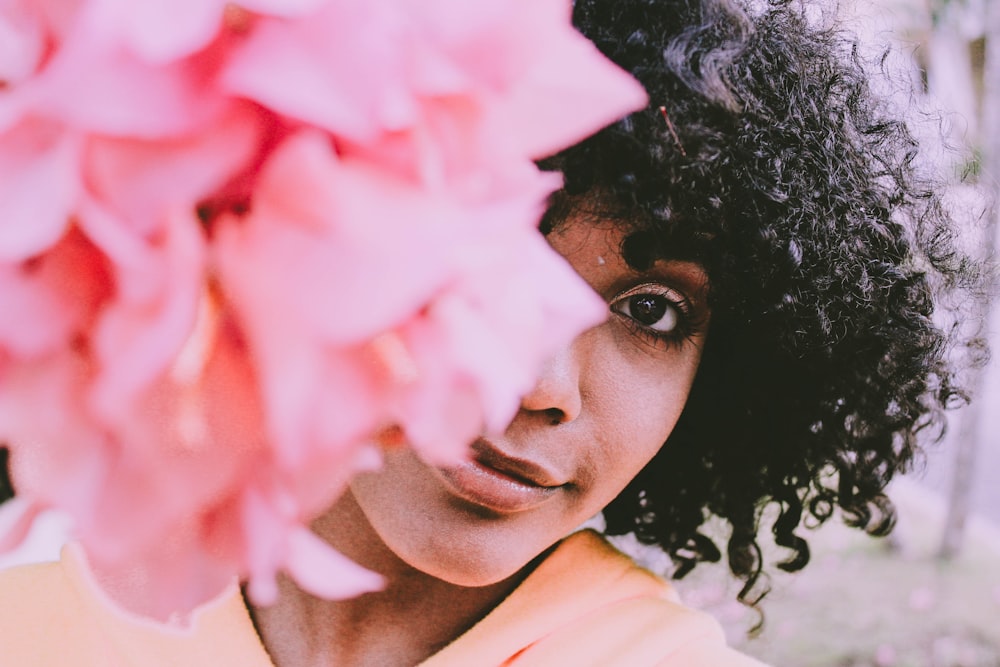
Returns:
(636,407)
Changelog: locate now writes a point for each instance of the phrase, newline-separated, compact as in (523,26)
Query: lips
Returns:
(500,482)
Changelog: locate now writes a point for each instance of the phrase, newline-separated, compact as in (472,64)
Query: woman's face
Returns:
(601,409)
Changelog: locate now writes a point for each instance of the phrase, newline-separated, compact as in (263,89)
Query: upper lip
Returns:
(486,453)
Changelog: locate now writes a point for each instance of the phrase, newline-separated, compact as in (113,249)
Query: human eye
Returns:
(653,310)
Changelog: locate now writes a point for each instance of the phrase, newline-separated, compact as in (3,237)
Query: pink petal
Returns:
(322,479)
(480,343)
(39,185)
(21,43)
(276,539)
(317,222)
(340,69)
(441,415)
(93,84)
(58,16)
(313,396)
(16,518)
(541,86)
(349,398)
(490,358)
(525,325)
(144,482)
(141,332)
(58,456)
(39,321)
(54,298)
(266,526)
(166,582)
(286,8)
(141,180)
(160,31)
(567,95)
(319,569)
(290,369)
(284,354)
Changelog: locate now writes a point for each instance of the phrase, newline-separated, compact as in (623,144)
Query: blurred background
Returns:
(929,595)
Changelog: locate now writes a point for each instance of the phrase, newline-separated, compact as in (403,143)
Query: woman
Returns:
(769,258)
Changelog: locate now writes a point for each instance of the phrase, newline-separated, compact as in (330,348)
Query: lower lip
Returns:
(489,488)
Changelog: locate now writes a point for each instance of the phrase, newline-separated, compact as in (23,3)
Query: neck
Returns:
(411,619)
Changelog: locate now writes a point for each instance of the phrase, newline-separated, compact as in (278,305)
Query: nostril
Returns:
(555,415)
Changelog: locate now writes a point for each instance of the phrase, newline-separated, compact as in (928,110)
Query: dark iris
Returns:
(647,309)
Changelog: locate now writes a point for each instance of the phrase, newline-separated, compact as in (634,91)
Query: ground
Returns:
(863,602)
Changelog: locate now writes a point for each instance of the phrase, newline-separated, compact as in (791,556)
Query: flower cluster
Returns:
(245,246)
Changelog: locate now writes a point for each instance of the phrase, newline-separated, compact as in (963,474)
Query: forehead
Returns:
(645,236)
(601,250)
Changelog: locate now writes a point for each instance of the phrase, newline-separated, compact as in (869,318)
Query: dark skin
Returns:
(377,628)
(452,545)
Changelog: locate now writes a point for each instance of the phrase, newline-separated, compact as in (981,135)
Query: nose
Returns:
(556,394)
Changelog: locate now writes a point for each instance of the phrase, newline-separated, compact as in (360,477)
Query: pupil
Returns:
(647,309)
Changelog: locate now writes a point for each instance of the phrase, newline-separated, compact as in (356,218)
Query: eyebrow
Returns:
(688,276)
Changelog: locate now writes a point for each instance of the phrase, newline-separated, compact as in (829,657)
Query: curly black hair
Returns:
(765,156)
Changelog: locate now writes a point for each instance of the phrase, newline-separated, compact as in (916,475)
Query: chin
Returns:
(470,560)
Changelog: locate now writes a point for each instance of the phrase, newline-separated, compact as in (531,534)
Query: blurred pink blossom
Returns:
(448,85)
(161,31)
(246,245)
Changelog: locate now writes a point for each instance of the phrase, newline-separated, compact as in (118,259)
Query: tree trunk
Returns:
(970,432)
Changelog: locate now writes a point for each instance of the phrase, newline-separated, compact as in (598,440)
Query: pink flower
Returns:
(95,86)
(39,186)
(341,69)
(310,287)
(279,541)
(53,106)
(427,265)
(485,83)
(478,345)
(244,242)
(56,297)
(103,417)
(539,84)
(162,31)
(22,42)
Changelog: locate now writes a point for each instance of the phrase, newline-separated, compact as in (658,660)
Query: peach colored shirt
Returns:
(586,604)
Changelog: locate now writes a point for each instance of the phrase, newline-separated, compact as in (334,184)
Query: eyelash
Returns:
(684,328)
